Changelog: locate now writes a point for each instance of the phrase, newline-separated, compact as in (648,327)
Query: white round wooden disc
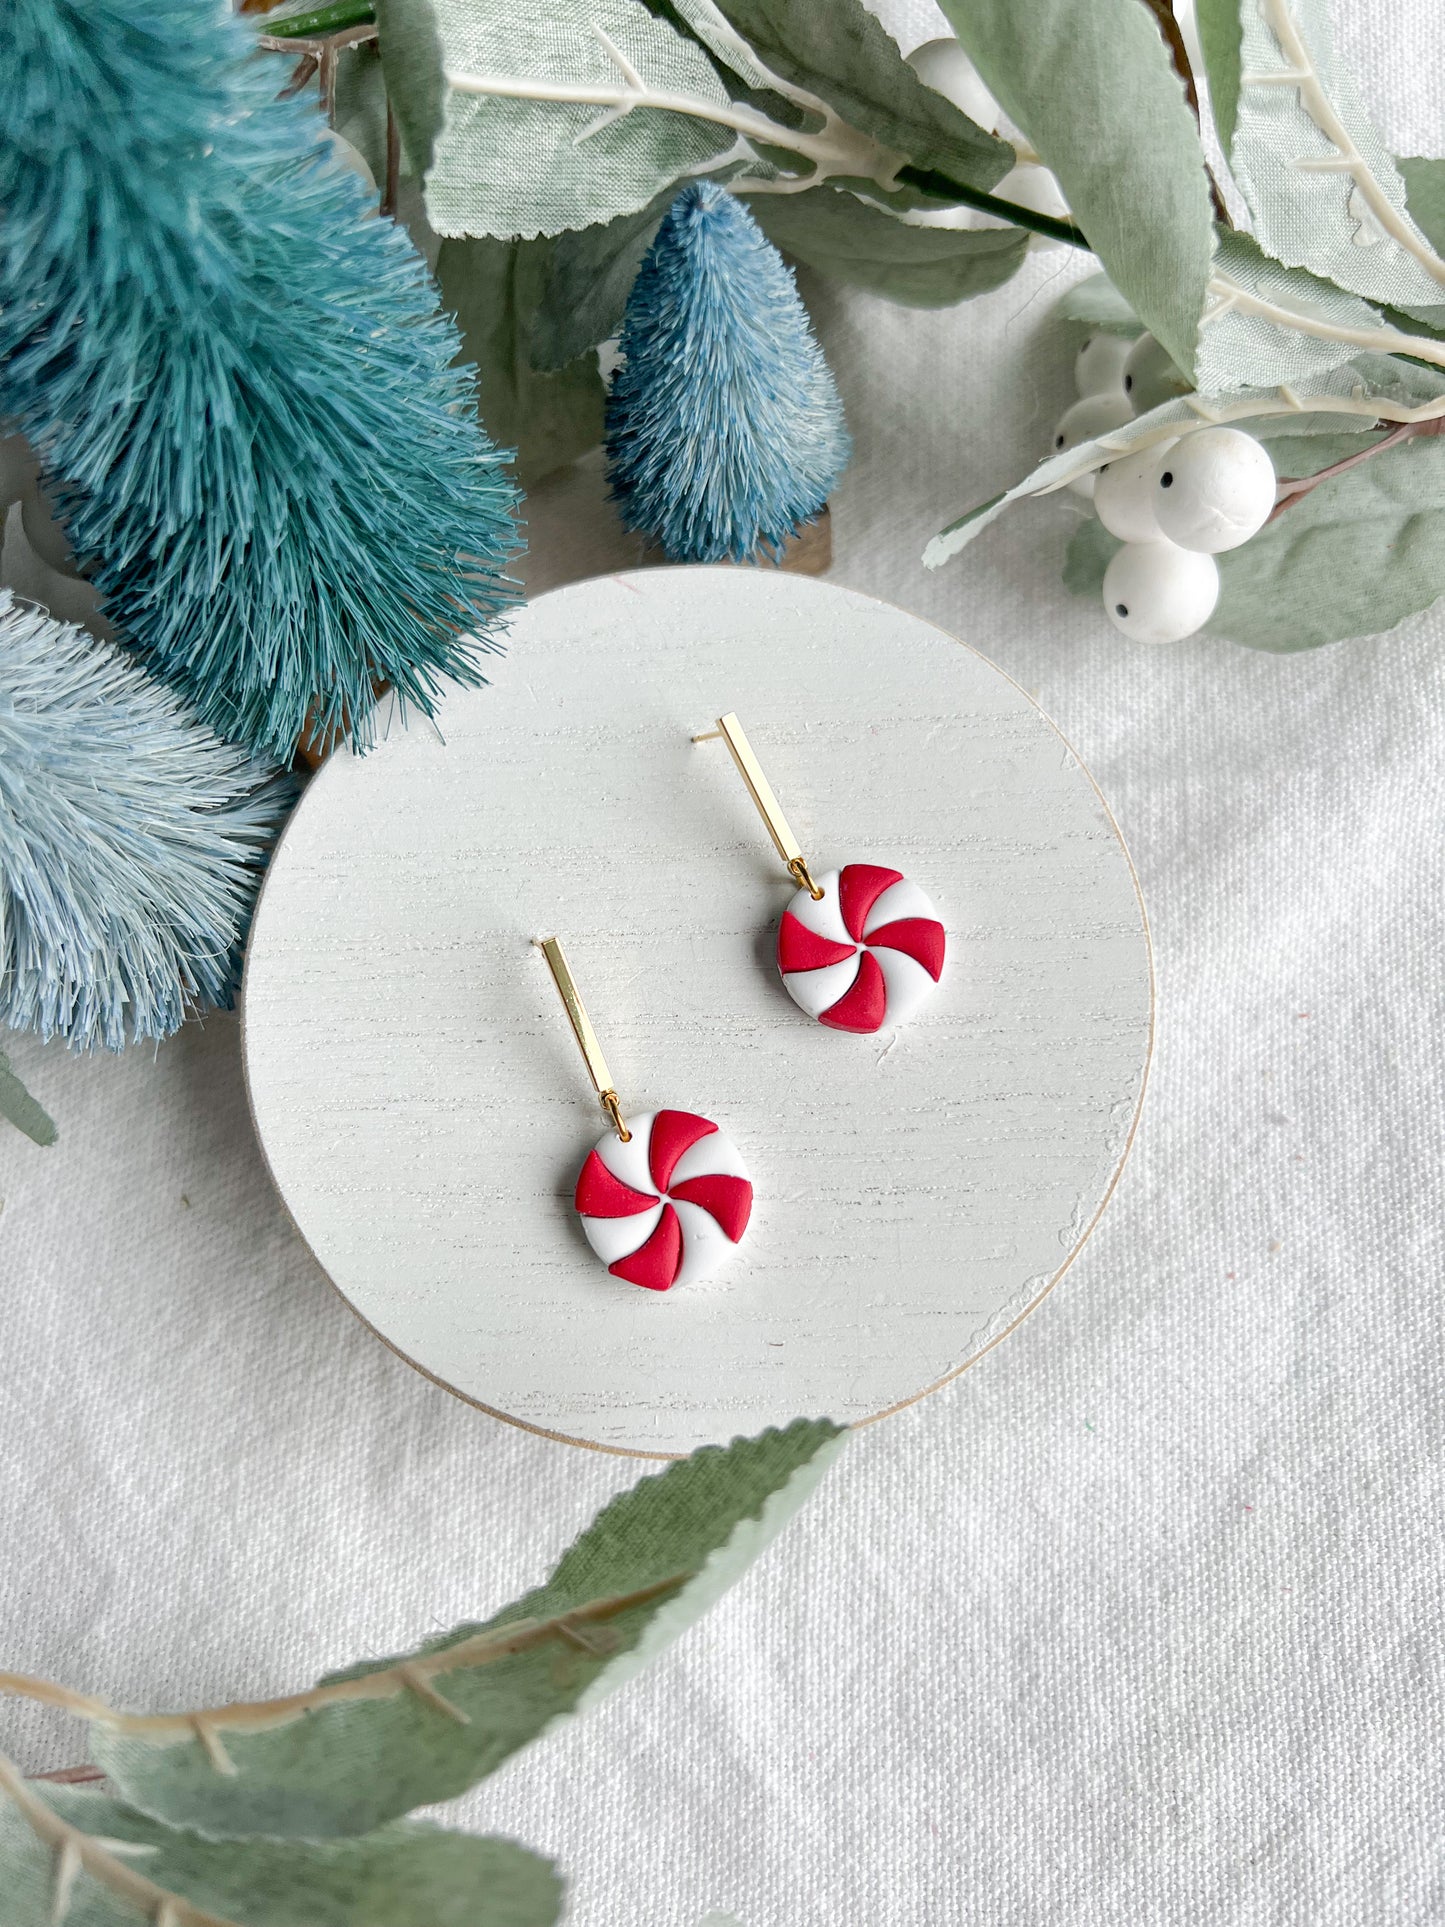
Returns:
(424,1109)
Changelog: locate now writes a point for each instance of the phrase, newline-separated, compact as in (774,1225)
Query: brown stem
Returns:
(1292,490)
(1163,12)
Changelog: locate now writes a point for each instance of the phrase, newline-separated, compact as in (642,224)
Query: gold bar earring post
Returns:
(586,1037)
(766,804)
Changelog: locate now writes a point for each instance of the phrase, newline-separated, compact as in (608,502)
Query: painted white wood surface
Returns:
(423,1107)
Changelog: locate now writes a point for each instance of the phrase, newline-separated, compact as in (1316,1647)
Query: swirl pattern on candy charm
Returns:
(865,954)
(667,1207)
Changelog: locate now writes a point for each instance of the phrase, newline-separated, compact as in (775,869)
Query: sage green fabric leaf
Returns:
(1424,180)
(498,292)
(361,105)
(1091,84)
(409,1875)
(1324,192)
(525,167)
(843,54)
(589,276)
(1219,31)
(1096,304)
(1269,324)
(411,60)
(1356,556)
(922,267)
(391,1735)
(21,1109)
(1091,549)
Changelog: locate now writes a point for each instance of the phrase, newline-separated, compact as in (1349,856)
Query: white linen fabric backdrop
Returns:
(1138,1621)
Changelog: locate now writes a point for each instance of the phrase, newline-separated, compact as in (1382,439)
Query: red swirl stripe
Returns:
(726,1198)
(673,1132)
(800,948)
(654,1265)
(600,1194)
(864,1005)
(859,887)
(917,937)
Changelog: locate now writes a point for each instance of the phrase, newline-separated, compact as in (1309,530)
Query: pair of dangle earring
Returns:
(859,948)
(664,1197)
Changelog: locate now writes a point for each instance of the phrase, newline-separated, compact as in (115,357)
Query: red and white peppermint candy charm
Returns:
(667,1207)
(865,954)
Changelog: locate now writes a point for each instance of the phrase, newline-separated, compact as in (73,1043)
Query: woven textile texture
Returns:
(1138,1622)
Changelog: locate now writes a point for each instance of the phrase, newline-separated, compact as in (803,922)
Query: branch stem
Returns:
(1294,489)
(929,181)
(1163,12)
(386,1682)
(76,1851)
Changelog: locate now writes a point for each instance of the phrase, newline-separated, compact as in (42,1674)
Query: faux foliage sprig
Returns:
(1332,305)
(289,1813)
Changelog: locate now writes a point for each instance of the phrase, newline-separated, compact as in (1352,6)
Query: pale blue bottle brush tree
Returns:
(725,432)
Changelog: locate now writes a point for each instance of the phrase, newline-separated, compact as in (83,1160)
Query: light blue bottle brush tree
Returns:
(131,841)
(724,431)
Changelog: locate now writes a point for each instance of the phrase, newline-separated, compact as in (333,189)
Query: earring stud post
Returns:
(582,1030)
(764,801)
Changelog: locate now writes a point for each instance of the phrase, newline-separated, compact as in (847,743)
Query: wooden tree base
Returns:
(809,552)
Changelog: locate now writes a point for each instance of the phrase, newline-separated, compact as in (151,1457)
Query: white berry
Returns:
(1155,592)
(1094,415)
(1124,493)
(947,69)
(1215,490)
(1151,377)
(1099,364)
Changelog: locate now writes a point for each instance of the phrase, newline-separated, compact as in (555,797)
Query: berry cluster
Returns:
(1176,505)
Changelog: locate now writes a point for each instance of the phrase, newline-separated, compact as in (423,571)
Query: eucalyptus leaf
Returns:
(588,278)
(1424,180)
(391,1735)
(1091,84)
(498,292)
(1324,192)
(509,168)
(1354,557)
(1097,306)
(1274,324)
(21,1109)
(361,105)
(122,1866)
(922,267)
(411,60)
(842,53)
(1219,31)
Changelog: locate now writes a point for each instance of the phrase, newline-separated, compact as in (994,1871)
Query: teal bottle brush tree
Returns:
(724,429)
(237,378)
